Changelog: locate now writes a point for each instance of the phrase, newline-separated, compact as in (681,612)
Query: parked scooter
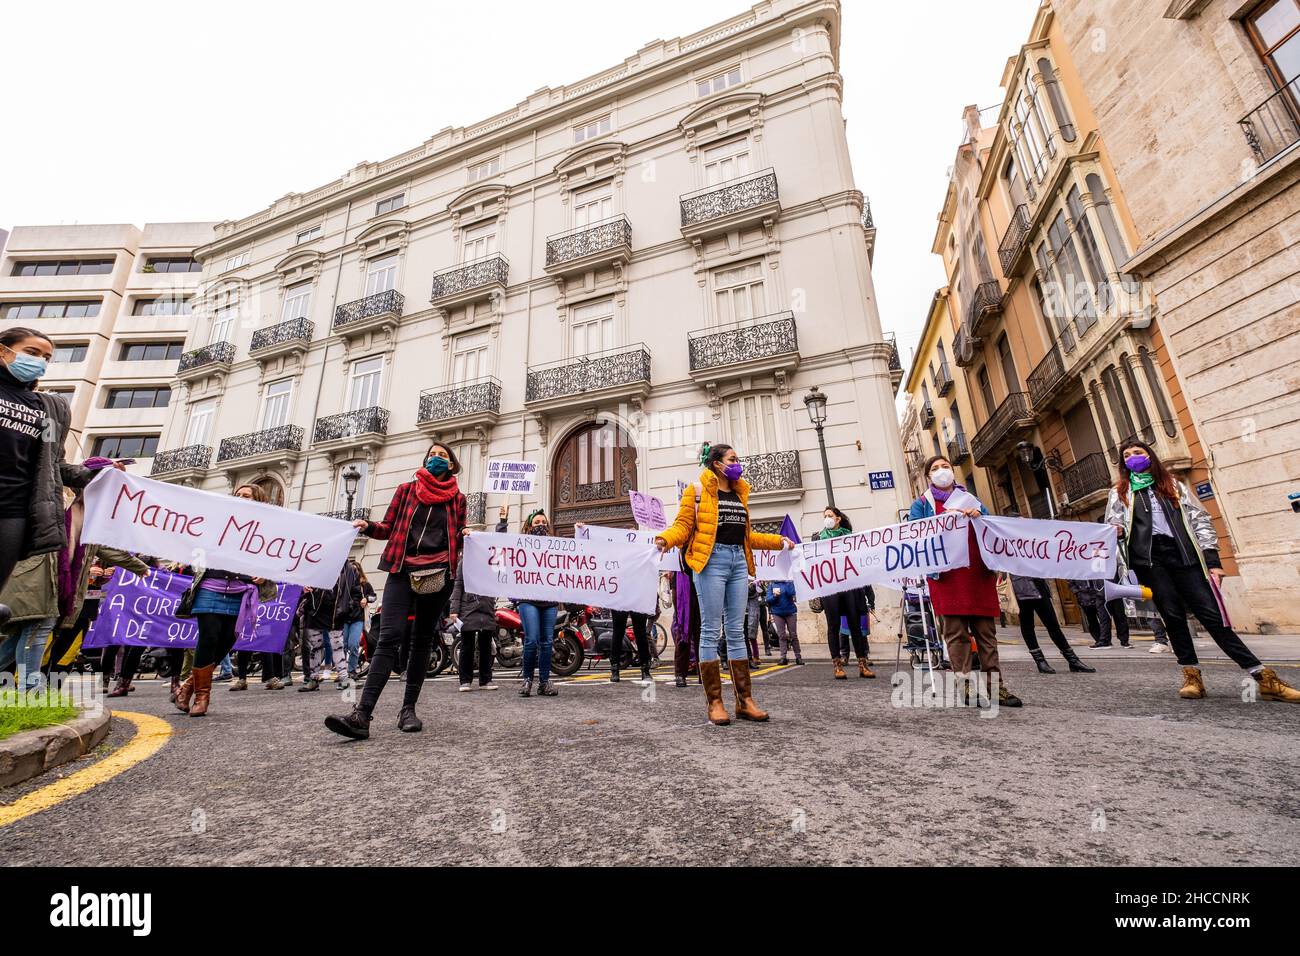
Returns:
(568,648)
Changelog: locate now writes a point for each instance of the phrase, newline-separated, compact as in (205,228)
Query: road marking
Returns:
(150,735)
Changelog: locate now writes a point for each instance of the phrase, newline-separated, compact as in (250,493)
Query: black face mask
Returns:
(540,530)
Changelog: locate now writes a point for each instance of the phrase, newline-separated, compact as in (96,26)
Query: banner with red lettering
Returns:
(202,529)
(1035,548)
(881,555)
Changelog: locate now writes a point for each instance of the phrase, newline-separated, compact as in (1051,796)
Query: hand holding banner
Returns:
(1070,550)
(670,560)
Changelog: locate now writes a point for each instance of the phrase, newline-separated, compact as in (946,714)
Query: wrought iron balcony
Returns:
(189,458)
(296,333)
(218,353)
(868,221)
(1012,417)
(610,238)
(351,315)
(1274,126)
(1087,475)
(1015,240)
(476,509)
(985,305)
(601,371)
(282,438)
(1046,378)
(778,471)
(927,415)
(965,347)
(363,421)
(895,362)
(742,343)
(958,449)
(470,279)
(481,397)
(756,193)
(943,379)
(356,514)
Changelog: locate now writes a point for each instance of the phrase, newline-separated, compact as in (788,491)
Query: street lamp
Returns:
(815,402)
(351,479)
(1033,456)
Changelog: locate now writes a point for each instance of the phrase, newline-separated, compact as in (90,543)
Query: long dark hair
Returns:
(454,462)
(929,463)
(1164,484)
(16,334)
(845,523)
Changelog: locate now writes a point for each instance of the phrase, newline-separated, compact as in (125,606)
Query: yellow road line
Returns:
(150,735)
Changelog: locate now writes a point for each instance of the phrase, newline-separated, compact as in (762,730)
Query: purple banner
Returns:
(141,612)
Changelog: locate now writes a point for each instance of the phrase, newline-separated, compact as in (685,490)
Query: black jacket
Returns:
(476,612)
(45,528)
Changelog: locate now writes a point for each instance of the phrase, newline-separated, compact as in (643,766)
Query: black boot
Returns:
(613,673)
(355,725)
(680,681)
(645,674)
(1043,666)
(1076,666)
(407,722)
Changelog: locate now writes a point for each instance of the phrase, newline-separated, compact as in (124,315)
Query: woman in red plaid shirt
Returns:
(423,528)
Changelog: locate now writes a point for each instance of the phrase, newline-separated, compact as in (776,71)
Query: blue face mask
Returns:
(437,466)
(26,368)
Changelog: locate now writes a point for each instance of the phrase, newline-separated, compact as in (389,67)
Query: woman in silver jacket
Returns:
(1169,541)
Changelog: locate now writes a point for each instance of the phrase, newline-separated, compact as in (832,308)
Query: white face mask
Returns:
(943,478)
(828,524)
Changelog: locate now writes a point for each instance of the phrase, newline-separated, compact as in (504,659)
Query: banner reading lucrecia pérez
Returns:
(141,611)
(1036,548)
(618,575)
(881,555)
(199,528)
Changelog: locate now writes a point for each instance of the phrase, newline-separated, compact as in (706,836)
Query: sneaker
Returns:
(488,686)
(526,689)
(466,688)
(547,689)
(1096,644)
(309,686)
(275,684)
(355,725)
(239,683)
(1158,648)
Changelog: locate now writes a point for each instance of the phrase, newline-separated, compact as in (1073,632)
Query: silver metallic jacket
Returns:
(1197,521)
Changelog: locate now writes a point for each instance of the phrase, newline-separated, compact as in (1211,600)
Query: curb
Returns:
(33,752)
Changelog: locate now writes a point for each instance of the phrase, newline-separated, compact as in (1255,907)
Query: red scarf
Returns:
(434,491)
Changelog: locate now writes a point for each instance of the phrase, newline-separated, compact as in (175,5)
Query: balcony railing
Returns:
(580,243)
(1014,240)
(778,471)
(986,303)
(189,458)
(1046,376)
(589,373)
(476,508)
(895,362)
(726,199)
(753,339)
(286,333)
(943,379)
(868,220)
(356,514)
(958,449)
(218,353)
(965,346)
(487,271)
(927,415)
(1011,416)
(381,303)
(1087,475)
(363,421)
(1274,125)
(280,438)
(470,398)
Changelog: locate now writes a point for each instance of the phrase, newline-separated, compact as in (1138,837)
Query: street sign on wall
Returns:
(882,480)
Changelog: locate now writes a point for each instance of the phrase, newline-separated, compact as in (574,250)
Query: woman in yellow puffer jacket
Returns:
(718,544)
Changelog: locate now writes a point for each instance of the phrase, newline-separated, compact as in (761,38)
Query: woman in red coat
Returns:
(966,599)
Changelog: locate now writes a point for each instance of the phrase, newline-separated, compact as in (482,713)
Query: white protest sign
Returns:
(669,561)
(773,565)
(203,529)
(617,575)
(1069,550)
(882,555)
(510,477)
(648,511)
(961,501)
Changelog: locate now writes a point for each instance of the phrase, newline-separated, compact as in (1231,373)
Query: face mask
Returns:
(733,471)
(437,466)
(1138,462)
(26,368)
(943,478)
(828,524)
(540,530)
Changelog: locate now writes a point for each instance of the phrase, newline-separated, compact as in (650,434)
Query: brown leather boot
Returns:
(202,690)
(711,678)
(863,669)
(176,686)
(1272,687)
(1193,687)
(839,669)
(746,709)
(119,689)
(183,694)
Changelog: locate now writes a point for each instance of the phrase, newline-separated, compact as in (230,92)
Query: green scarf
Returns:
(832,533)
(1141,480)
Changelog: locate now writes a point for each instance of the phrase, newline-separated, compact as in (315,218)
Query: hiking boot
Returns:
(547,688)
(1193,686)
(863,669)
(1006,698)
(355,725)
(239,683)
(1272,687)
(839,669)
(526,689)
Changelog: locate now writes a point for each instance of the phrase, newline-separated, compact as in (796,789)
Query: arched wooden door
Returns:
(593,475)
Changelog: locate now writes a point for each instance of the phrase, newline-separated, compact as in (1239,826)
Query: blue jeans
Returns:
(27,645)
(539,639)
(723,588)
(352,641)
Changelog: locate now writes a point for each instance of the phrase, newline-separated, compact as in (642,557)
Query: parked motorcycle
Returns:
(602,627)
(568,648)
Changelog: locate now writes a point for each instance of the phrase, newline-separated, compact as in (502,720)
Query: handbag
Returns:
(428,581)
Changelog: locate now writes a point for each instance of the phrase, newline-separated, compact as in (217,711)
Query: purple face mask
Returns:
(733,471)
(1137,462)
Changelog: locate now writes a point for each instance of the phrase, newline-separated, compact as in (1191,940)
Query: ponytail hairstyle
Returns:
(1165,484)
(710,455)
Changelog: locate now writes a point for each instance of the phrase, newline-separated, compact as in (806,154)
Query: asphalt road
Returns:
(1109,769)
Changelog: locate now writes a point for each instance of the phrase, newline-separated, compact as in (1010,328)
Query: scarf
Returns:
(246,620)
(837,532)
(1141,480)
(434,491)
(943,494)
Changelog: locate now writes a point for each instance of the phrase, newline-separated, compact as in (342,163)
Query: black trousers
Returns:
(399,603)
(13,540)
(1041,607)
(850,605)
(130,664)
(640,630)
(272,664)
(1179,589)
(1099,617)
(216,638)
(469,640)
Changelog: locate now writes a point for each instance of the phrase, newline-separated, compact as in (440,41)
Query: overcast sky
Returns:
(150,112)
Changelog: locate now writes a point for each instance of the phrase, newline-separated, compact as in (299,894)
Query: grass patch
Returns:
(20,712)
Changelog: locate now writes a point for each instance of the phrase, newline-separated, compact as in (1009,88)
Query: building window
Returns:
(166,306)
(1091,254)
(593,205)
(469,357)
(381,274)
(138,397)
(1008,364)
(726,161)
(297,302)
(1057,100)
(365,379)
(1109,224)
(307,235)
(597,127)
(1139,405)
(30,311)
(172,264)
(391,204)
(718,82)
(479,241)
(150,351)
(71,352)
(739,293)
(485,170)
(275,403)
(223,323)
(751,424)
(470,455)
(64,267)
(1115,400)
(1275,28)
(592,327)
(199,429)
(126,446)
(1074,291)
(986,390)
(235,262)
(1167,420)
